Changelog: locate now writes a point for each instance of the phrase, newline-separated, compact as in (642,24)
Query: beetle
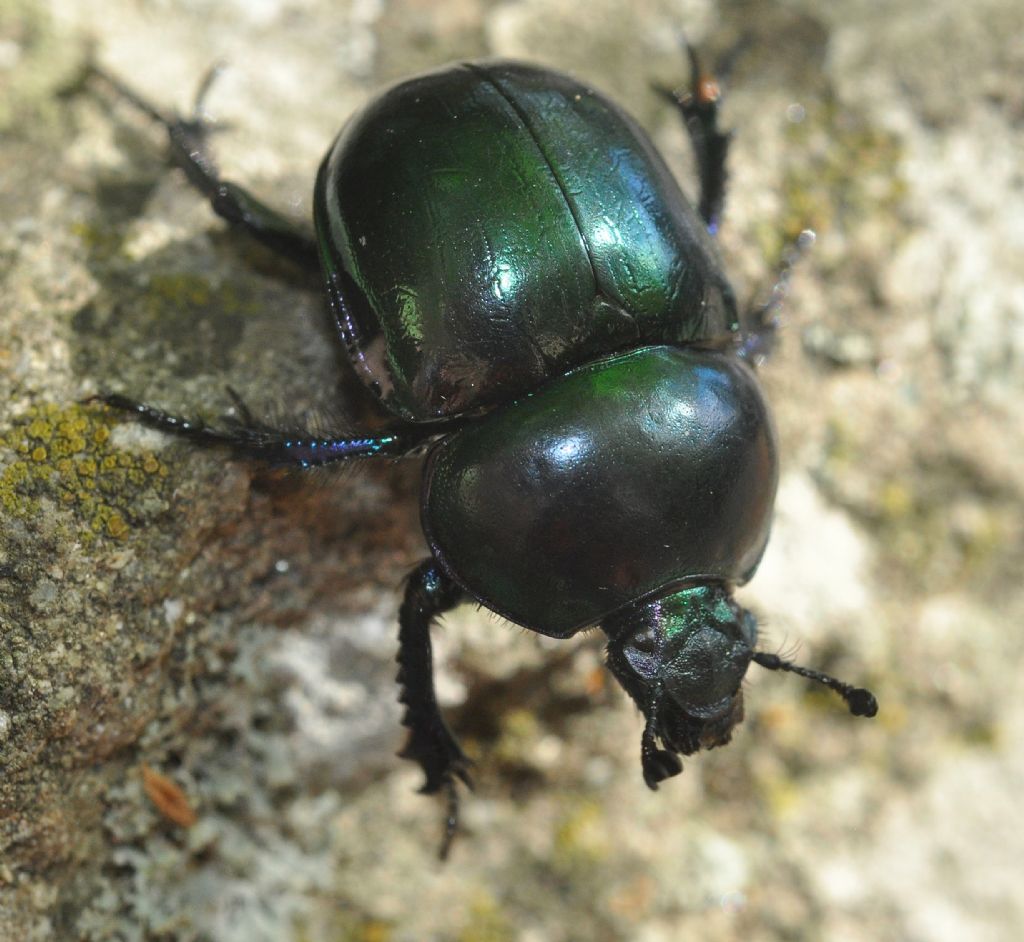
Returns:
(519,280)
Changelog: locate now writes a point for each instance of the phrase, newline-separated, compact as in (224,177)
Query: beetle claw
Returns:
(199,116)
(659,765)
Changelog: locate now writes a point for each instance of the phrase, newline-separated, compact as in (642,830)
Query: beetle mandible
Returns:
(517,277)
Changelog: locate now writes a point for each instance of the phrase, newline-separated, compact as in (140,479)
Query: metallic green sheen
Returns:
(621,481)
(489,225)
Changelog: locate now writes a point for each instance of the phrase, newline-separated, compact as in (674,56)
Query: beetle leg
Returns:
(761,322)
(658,764)
(428,593)
(699,110)
(187,138)
(252,438)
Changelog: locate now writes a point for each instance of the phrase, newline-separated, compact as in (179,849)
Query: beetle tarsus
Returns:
(279,447)
(698,108)
(451,821)
(187,139)
(761,322)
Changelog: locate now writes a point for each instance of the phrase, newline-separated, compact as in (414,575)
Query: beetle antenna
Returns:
(860,701)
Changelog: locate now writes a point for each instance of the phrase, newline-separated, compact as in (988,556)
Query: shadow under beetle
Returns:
(517,277)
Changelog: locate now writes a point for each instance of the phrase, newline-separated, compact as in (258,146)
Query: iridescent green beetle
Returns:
(518,278)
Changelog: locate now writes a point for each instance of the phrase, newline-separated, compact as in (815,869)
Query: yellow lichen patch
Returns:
(374,930)
(181,288)
(101,242)
(896,501)
(168,295)
(581,837)
(63,454)
(487,921)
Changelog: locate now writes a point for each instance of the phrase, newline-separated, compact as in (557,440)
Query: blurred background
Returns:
(197,709)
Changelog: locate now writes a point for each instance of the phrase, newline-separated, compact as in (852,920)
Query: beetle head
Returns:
(682,659)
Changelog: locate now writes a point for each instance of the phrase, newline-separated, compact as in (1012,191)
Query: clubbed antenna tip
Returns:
(861,702)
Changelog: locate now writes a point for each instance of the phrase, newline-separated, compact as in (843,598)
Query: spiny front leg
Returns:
(428,593)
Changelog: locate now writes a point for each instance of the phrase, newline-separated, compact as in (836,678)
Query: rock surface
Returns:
(232,633)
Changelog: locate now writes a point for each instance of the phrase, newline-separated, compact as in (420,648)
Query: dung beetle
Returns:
(517,277)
